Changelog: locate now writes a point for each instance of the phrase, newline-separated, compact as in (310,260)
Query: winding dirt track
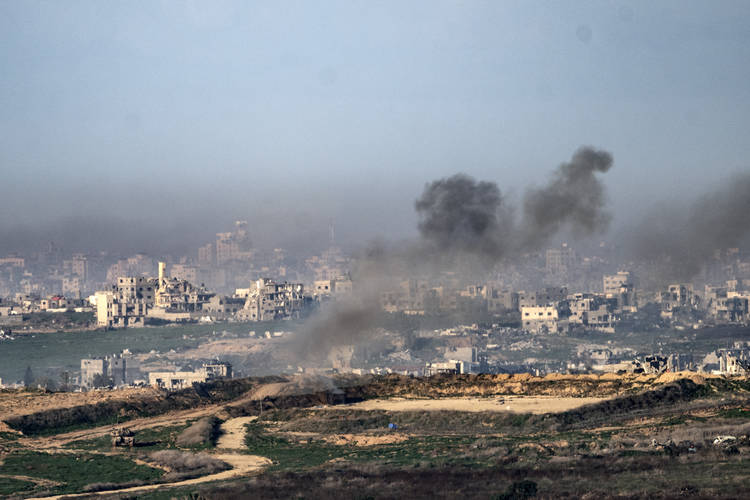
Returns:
(233,439)
(233,433)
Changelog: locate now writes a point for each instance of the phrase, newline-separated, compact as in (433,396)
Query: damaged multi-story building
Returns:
(727,306)
(679,297)
(269,301)
(117,370)
(623,288)
(593,311)
(132,299)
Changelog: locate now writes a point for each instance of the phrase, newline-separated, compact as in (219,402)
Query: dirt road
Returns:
(233,439)
(233,433)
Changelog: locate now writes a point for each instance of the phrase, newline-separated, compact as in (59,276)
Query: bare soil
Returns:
(517,404)
(233,433)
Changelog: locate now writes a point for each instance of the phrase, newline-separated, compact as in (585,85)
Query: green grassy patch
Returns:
(743,412)
(76,470)
(432,422)
(65,349)
(9,485)
(289,455)
(672,420)
(157,438)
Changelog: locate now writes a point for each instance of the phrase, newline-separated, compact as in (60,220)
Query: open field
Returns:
(518,404)
(632,436)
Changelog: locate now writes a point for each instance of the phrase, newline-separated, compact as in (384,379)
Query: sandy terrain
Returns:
(213,349)
(518,404)
(358,440)
(13,402)
(233,433)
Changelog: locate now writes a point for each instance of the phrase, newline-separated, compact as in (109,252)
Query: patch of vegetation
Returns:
(519,490)
(10,486)
(742,412)
(427,422)
(156,438)
(602,478)
(6,437)
(295,455)
(186,465)
(63,349)
(201,434)
(74,471)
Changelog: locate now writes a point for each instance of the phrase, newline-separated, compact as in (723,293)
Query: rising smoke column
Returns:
(345,322)
(684,236)
(574,197)
(462,220)
(459,214)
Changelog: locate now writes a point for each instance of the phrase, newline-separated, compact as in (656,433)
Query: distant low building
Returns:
(182,380)
(451,368)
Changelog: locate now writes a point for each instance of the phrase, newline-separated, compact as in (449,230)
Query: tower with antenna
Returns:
(330,229)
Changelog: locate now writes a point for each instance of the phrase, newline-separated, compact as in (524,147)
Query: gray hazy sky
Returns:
(115,114)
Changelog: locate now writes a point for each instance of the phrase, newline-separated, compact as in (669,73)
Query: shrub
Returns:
(519,490)
(187,462)
(204,431)
(94,487)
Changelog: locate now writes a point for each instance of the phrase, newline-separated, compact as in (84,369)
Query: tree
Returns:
(101,380)
(45,383)
(65,377)
(519,490)
(28,378)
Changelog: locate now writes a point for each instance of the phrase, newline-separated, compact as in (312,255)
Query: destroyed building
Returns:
(269,301)
(119,369)
(725,306)
(132,300)
(177,380)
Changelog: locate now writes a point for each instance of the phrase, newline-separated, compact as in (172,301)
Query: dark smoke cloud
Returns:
(575,196)
(466,226)
(683,236)
(461,215)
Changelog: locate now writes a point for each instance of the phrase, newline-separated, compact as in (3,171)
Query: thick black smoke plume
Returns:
(342,323)
(461,215)
(466,224)
(574,197)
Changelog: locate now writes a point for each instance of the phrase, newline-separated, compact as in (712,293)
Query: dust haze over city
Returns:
(335,193)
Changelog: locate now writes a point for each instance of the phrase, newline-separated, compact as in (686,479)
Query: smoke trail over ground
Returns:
(341,323)
(574,196)
(466,226)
